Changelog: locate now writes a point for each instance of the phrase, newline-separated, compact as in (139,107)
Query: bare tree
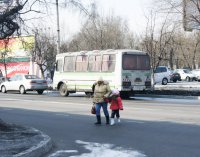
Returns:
(159,39)
(8,19)
(187,49)
(187,12)
(44,51)
(148,43)
(102,33)
(10,23)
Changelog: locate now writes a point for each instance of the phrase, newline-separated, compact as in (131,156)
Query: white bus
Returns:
(126,70)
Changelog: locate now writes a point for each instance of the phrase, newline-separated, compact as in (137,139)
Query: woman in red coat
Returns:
(116,105)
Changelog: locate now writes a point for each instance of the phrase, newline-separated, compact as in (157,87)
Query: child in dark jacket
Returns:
(116,105)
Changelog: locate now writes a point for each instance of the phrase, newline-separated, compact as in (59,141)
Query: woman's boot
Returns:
(107,120)
(98,120)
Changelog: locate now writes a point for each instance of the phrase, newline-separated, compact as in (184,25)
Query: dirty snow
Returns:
(100,150)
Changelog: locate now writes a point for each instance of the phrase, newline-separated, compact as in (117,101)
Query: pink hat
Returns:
(115,92)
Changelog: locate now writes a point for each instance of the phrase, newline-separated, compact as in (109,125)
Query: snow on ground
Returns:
(182,85)
(100,150)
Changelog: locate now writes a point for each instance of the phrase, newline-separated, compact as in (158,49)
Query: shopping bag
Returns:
(93,110)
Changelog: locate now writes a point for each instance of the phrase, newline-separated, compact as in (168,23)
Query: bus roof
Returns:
(102,52)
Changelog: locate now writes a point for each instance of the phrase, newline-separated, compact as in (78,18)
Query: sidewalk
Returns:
(18,141)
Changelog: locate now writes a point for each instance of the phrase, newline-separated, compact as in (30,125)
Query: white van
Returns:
(162,75)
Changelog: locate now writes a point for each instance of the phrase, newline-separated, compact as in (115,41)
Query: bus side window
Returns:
(108,63)
(59,65)
(81,63)
(94,63)
(69,63)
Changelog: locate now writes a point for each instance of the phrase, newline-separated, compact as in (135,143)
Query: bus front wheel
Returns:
(63,90)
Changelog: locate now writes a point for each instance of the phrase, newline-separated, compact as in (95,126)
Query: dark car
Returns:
(175,77)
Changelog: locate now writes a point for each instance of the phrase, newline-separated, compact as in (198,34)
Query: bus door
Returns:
(68,73)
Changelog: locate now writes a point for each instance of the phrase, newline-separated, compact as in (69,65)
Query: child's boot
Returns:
(118,120)
(112,121)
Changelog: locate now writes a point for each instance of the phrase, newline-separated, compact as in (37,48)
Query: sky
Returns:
(71,20)
(131,10)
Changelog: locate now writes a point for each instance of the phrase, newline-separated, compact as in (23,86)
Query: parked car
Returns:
(2,79)
(162,74)
(186,74)
(1,74)
(24,83)
(175,77)
(196,73)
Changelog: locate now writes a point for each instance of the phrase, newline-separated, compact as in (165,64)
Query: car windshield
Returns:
(160,69)
(186,71)
(31,77)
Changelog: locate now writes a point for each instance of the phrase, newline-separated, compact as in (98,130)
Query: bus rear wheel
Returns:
(63,90)
(125,95)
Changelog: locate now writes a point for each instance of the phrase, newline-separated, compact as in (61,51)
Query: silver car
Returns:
(196,73)
(23,83)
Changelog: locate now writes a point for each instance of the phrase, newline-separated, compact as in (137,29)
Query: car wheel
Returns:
(22,90)
(63,90)
(194,79)
(164,81)
(174,80)
(40,92)
(188,79)
(3,89)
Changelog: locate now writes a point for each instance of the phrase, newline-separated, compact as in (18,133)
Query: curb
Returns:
(168,96)
(42,148)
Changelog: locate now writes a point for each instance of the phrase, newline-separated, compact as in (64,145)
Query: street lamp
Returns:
(58,28)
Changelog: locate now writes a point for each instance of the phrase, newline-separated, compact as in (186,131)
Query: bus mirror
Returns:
(55,66)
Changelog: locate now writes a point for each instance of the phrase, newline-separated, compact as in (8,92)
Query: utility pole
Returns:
(58,28)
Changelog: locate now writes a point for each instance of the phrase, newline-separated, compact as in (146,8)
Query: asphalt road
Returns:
(153,127)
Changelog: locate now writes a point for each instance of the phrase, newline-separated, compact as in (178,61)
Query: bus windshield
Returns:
(135,62)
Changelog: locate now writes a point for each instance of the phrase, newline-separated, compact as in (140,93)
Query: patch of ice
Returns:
(99,150)
(106,150)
